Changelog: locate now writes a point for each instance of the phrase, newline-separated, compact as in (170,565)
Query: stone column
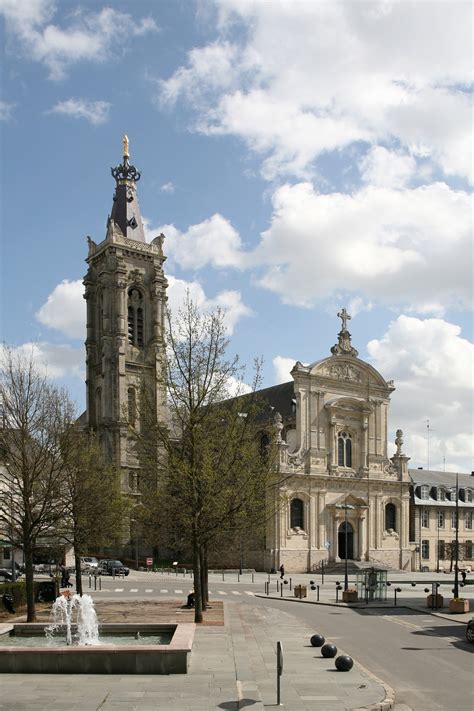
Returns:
(322,533)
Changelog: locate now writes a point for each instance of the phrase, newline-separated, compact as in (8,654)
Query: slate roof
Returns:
(434,479)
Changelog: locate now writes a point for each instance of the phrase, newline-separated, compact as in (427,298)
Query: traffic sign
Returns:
(149,562)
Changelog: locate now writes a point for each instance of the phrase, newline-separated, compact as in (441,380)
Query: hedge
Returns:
(45,591)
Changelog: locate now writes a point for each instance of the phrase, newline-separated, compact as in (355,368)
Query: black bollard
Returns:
(344,663)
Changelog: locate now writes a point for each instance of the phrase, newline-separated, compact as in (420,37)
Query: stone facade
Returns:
(333,451)
(125,290)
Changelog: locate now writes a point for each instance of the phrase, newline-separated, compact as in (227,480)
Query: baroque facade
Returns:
(339,483)
(125,290)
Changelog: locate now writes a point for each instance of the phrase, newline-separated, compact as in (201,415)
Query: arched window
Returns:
(98,405)
(132,407)
(264,444)
(390,517)
(135,318)
(297,514)
(344,449)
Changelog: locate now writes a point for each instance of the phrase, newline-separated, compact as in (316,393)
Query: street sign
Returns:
(149,562)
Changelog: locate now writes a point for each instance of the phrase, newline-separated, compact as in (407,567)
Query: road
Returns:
(423,657)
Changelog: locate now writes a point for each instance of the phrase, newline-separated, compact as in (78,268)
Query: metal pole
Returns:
(346,580)
(290,583)
(456,569)
(322,572)
(317,593)
(437,544)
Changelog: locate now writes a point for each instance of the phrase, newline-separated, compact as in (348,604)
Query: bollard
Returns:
(322,572)
(279,671)
(278,586)
(317,593)
(290,583)
(238,577)
(267,585)
(281,591)
(268,577)
(95,582)
(90,581)
(397,590)
(223,575)
(100,583)
(252,577)
(338,587)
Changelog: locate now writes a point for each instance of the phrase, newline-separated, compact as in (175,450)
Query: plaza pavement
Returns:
(232,667)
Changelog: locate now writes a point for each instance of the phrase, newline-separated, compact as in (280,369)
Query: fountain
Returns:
(70,644)
(86,619)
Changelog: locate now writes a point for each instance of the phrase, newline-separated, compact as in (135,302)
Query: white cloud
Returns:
(282,366)
(230,302)
(301,79)
(96,112)
(6,110)
(389,246)
(88,37)
(168,188)
(387,168)
(432,367)
(55,361)
(65,309)
(211,242)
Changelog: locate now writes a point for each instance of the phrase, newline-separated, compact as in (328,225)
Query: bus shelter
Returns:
(371,584)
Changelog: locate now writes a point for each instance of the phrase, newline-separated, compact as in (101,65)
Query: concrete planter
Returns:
(459,605)
(436,601)
(349,595)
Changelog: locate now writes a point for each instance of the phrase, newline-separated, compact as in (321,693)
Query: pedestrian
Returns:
(190,602)
(282,571)
(463,575)
(64,577)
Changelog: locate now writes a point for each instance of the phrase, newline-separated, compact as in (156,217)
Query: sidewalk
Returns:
(232,667)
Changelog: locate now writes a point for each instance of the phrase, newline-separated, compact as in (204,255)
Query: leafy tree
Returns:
(203,472)
(35,431)
(94,505)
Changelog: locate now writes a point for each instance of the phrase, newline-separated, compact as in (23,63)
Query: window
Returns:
(6,554)
(135,318)
(264,445)
(425,549)
(452,495)
(133,481)
(468,550)
(440,494)
(468,520)
(98,404)
(390,517)
(424,492)
(453,519)
(441,550)
(440,517)
(132,407)
(344,449)
(468,495)
(424,519)
(296,514)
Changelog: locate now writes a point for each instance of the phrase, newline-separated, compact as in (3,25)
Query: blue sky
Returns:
(298,156)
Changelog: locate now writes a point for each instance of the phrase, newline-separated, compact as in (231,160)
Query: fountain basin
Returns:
(121,658)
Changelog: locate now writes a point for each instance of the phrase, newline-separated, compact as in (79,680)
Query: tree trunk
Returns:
(77,565)
(30,591)
(197,582)
(203,578)
(205,575)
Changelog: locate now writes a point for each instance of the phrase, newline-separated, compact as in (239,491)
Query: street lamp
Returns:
(456,568)
(345,507)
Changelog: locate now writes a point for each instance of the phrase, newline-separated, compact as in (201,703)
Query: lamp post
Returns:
(437,543)
(345,507)
(456,564)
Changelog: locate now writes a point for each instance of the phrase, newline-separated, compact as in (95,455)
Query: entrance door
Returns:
(343,535)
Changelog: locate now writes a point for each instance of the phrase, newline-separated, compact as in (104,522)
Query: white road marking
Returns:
(178,592)
(234,592)
(118,589)
(247,592)
(133,589)
(221,592)
(148,590)
(163,591)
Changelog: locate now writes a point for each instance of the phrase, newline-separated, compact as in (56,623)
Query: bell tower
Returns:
(125,290)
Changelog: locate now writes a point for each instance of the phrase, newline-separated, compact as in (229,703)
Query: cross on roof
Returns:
(344,316)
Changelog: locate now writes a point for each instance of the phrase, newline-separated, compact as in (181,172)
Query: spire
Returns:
(344,345)
(126,210)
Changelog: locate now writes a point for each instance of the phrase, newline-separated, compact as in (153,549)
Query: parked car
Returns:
(107,567)
(470,631)
(6,575)
(89,563)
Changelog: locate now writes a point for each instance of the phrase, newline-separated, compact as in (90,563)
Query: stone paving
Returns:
(232,667)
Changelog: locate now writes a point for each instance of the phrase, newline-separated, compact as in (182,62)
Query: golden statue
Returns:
(125,146)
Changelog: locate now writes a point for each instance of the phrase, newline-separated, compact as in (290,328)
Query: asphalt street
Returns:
(423,657)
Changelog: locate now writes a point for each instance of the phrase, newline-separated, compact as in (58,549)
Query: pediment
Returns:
(350,370)
(350,500)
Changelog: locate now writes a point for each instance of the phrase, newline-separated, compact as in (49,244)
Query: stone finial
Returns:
(125,144)
(278,420)
(344,345)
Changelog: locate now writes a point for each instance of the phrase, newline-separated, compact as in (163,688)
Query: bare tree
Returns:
(35,430)
(204,470)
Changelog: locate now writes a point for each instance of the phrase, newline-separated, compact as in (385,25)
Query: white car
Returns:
(89,563)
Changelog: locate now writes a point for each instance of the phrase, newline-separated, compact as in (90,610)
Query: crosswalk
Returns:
(166,591)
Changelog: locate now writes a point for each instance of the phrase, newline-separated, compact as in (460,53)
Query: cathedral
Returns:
(341,497)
